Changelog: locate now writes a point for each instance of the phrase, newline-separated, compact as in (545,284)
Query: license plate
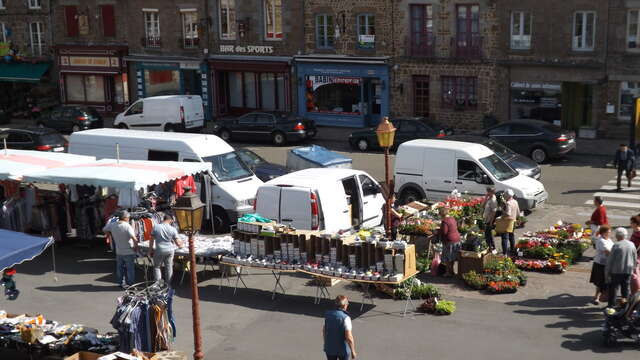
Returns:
(58,149)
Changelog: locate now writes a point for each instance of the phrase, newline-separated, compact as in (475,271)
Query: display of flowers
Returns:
(552,266)
(502,287)
(417,226)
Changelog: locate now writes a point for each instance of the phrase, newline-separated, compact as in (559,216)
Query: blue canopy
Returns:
(16,247)
(322,157)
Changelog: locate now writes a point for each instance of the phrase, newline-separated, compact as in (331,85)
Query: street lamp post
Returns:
(386,133)
(188,209)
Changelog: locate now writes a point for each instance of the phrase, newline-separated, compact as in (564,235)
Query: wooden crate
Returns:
(410,260)
(326,281)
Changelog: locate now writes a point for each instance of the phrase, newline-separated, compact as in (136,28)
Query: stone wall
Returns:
(91,9)
(16,16)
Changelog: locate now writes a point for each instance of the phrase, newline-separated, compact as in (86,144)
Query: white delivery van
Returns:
(235,185)
(432,169)
(163,113)
(330,199)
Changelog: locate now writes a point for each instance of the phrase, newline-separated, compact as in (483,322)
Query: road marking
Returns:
(618,195)
(588,215)
(617,204)
(624,189)
(624,182)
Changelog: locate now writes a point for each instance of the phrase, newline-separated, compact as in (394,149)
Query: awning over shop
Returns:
(23,72)
(16,247)
(14,164)
(125,175)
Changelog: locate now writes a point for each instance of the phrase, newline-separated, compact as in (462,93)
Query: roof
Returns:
(23,72)
(310,177)
(31,129)
(447,144)
(165,97)
(14,164)
(136,134)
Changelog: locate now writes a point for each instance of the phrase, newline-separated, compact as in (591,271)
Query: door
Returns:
(467,31)
(54,121)
(469,178)
(268,202)
(372,201)
(20,141)
(352,191)
(244,127)
(295,207)
(521,137)
(263,125)
(134,116)
(500,133)
(438,173)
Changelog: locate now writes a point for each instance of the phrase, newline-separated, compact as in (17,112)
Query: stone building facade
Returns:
(253,43)
(90,45)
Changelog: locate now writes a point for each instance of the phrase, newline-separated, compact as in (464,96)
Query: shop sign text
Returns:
(249,49)
(528,85)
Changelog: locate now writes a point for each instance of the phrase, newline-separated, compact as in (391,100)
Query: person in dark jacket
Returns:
(450,240)
(624,161)
(337,332)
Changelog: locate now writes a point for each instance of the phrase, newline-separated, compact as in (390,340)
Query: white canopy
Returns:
(127,175)
(14,164)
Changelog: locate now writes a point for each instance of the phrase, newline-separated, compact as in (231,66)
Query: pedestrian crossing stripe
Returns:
(617,204)
(624,181)
(617,195)
(609,216)
(612,187)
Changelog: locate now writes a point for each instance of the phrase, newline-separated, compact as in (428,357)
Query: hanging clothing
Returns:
(183,182)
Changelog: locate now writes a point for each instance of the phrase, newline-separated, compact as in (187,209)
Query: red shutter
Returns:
(108,20)
(71,16)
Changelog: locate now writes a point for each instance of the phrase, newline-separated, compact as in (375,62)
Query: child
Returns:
(9,284)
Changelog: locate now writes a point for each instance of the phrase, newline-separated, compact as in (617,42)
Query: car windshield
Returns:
(51,139)
(500,150)
(250,158)
(228,167)
(498,168)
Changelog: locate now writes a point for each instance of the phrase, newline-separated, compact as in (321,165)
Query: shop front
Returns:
(93,76)
(339,91)
(164,76)
(248,83)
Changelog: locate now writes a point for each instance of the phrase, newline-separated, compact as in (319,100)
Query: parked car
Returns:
(34,138)
(163,113)
(71,119)
(327,199)
(537,139)
(263,169)
(520,163)
(406,129)
(278,126)
(5,118)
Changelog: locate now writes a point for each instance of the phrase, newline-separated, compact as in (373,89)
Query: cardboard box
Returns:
(84,355)
(409,260)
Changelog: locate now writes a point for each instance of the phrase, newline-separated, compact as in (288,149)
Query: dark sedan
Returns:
(263,169)
(34,138)
(277,126)
(406,129)
(71,119)
(537,139)
(520,163)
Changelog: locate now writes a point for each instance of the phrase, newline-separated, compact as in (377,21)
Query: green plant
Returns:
(475,280)
(423,264)
(540,252)
(445,307)
(417,289)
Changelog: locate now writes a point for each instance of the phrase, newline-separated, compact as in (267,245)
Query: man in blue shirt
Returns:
(337,332)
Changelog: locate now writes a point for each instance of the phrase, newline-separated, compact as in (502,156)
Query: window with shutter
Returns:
(71,17)
(108,20)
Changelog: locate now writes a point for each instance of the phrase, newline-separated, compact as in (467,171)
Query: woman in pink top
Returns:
(450,238)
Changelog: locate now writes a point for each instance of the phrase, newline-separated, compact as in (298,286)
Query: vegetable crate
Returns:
(472,261)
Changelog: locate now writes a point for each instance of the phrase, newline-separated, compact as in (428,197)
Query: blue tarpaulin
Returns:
(16,247)
(316,156)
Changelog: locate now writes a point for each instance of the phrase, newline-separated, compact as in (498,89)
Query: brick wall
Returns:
(17,17)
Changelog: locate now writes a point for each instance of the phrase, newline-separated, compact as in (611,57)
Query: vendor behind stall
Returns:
(396,217)
(450,238)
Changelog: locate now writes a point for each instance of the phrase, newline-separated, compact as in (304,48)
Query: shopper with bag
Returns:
(624,161)
(598,218)
(450,238)
(490,208)
(507,223)
(635,239)
(603,248)
(621,263)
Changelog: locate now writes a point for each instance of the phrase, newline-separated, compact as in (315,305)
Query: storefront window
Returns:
(75,88)
(280,91)
(85,88)
(94,88)
(119,90)
(267,93)
(628,91)
(250,90)
(235,90)
(162,82)
(334,94)
(539,101)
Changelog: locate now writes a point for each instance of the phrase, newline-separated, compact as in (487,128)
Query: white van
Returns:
(328,199)
(235,185)
(163,113)
(432,169)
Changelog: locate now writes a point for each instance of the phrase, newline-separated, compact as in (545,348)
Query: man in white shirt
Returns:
(511,211)
(126,246)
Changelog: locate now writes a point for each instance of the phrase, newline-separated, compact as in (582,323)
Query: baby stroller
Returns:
(624,323)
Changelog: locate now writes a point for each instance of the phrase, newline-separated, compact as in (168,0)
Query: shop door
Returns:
(222,91)
(192,83)
(577,102)
(372,101)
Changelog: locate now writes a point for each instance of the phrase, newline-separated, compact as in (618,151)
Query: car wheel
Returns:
(225,135)
(169,128)
(279,139)
(362,144)
(539,155)
(409,195)
(122,126)
(75,128)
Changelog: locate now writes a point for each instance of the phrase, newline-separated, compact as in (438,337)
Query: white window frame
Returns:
(192,32)
(322,36)
(517,40)
(151,16)
(266,22)
(2,5)
(367,25)
(580,43)
(36,47)
(628,30)
(229,6)
(35,4)
(3,33)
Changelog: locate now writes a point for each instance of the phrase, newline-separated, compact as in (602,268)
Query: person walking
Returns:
(603,247)
(624,161)
(635,239)
(450,238)
(622,261)
(511,212)
(598,218)
(164,236)
(490,208)
(126,246)
(337,332)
